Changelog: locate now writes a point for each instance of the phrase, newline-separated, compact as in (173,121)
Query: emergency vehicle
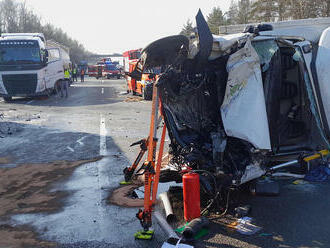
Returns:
(130,59)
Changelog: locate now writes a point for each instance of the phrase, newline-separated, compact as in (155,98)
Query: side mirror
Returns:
(45,58)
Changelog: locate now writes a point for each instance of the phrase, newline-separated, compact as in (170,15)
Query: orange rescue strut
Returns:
(150,166)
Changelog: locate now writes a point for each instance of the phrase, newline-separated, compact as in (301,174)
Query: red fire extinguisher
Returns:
(191,196)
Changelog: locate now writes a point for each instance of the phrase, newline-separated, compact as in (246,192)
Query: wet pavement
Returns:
(87,218)
(95,120)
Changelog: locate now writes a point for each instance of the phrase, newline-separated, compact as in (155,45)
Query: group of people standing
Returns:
(71,75)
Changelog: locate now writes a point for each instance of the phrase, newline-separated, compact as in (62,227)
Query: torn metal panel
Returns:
(243,110)
(166,51)
(223,45)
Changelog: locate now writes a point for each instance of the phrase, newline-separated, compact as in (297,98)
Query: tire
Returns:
(118,77)
(147,93)
(7,99)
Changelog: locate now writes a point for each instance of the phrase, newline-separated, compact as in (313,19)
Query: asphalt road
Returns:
(99,119)
(96,119)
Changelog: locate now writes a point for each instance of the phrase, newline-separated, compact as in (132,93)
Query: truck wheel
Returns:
(147,93)
(7,98)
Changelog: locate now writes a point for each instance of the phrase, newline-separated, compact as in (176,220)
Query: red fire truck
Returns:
(92,70)
(129,61)
(96,71)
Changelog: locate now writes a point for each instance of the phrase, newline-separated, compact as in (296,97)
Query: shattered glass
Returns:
(266,50)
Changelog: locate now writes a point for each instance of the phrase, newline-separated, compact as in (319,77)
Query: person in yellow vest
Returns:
(65,83)
(74,74)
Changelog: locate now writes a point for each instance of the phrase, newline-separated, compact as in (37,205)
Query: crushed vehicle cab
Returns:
(236,105)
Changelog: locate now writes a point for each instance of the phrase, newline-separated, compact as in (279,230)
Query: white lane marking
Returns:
(30,102)
(102,81)
(70,148)
(103,137)
(79,141)
(102,91)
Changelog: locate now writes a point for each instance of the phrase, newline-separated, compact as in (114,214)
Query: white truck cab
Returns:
(28,67)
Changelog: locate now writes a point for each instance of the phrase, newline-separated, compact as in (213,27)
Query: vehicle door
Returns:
(54,70)
(320,64)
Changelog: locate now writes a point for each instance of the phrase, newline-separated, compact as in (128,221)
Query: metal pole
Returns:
(287,164)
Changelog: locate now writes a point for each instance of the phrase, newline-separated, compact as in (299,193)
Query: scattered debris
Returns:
(265,235)
(133,99)
(265,187)
(175,243)
(299,182)
(318,174)
(170,217)
(196,228)
(244,226)
(242,211)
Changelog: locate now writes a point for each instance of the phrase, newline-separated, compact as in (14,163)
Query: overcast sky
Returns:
(108,26)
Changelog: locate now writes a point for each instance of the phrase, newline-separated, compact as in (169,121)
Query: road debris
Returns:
(245,226)
(133,99)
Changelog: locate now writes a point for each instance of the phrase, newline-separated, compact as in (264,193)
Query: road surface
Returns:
(96,119)
(99,119)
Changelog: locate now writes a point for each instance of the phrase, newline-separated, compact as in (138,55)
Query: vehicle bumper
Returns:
(42,93)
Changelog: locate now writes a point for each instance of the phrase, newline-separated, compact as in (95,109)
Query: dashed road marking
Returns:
(102,91)
(69,148)
(103,136)
(79,141)
(30,102)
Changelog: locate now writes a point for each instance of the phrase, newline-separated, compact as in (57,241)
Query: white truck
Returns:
(29,66)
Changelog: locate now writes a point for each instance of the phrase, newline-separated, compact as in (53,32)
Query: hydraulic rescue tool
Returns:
(150,169)
(129,171)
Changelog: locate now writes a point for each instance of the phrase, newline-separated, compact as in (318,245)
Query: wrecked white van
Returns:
(237,105)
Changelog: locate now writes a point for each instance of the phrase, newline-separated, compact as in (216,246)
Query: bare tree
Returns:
(244,11)
(232,14)
(9,16)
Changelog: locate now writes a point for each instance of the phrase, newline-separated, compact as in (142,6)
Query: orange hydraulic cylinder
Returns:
(191,196)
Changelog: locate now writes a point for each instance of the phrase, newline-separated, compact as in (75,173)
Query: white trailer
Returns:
(29,67)
(308,28)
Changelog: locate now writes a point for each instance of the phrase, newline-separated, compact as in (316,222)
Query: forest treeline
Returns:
(254,11)
(16,17)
